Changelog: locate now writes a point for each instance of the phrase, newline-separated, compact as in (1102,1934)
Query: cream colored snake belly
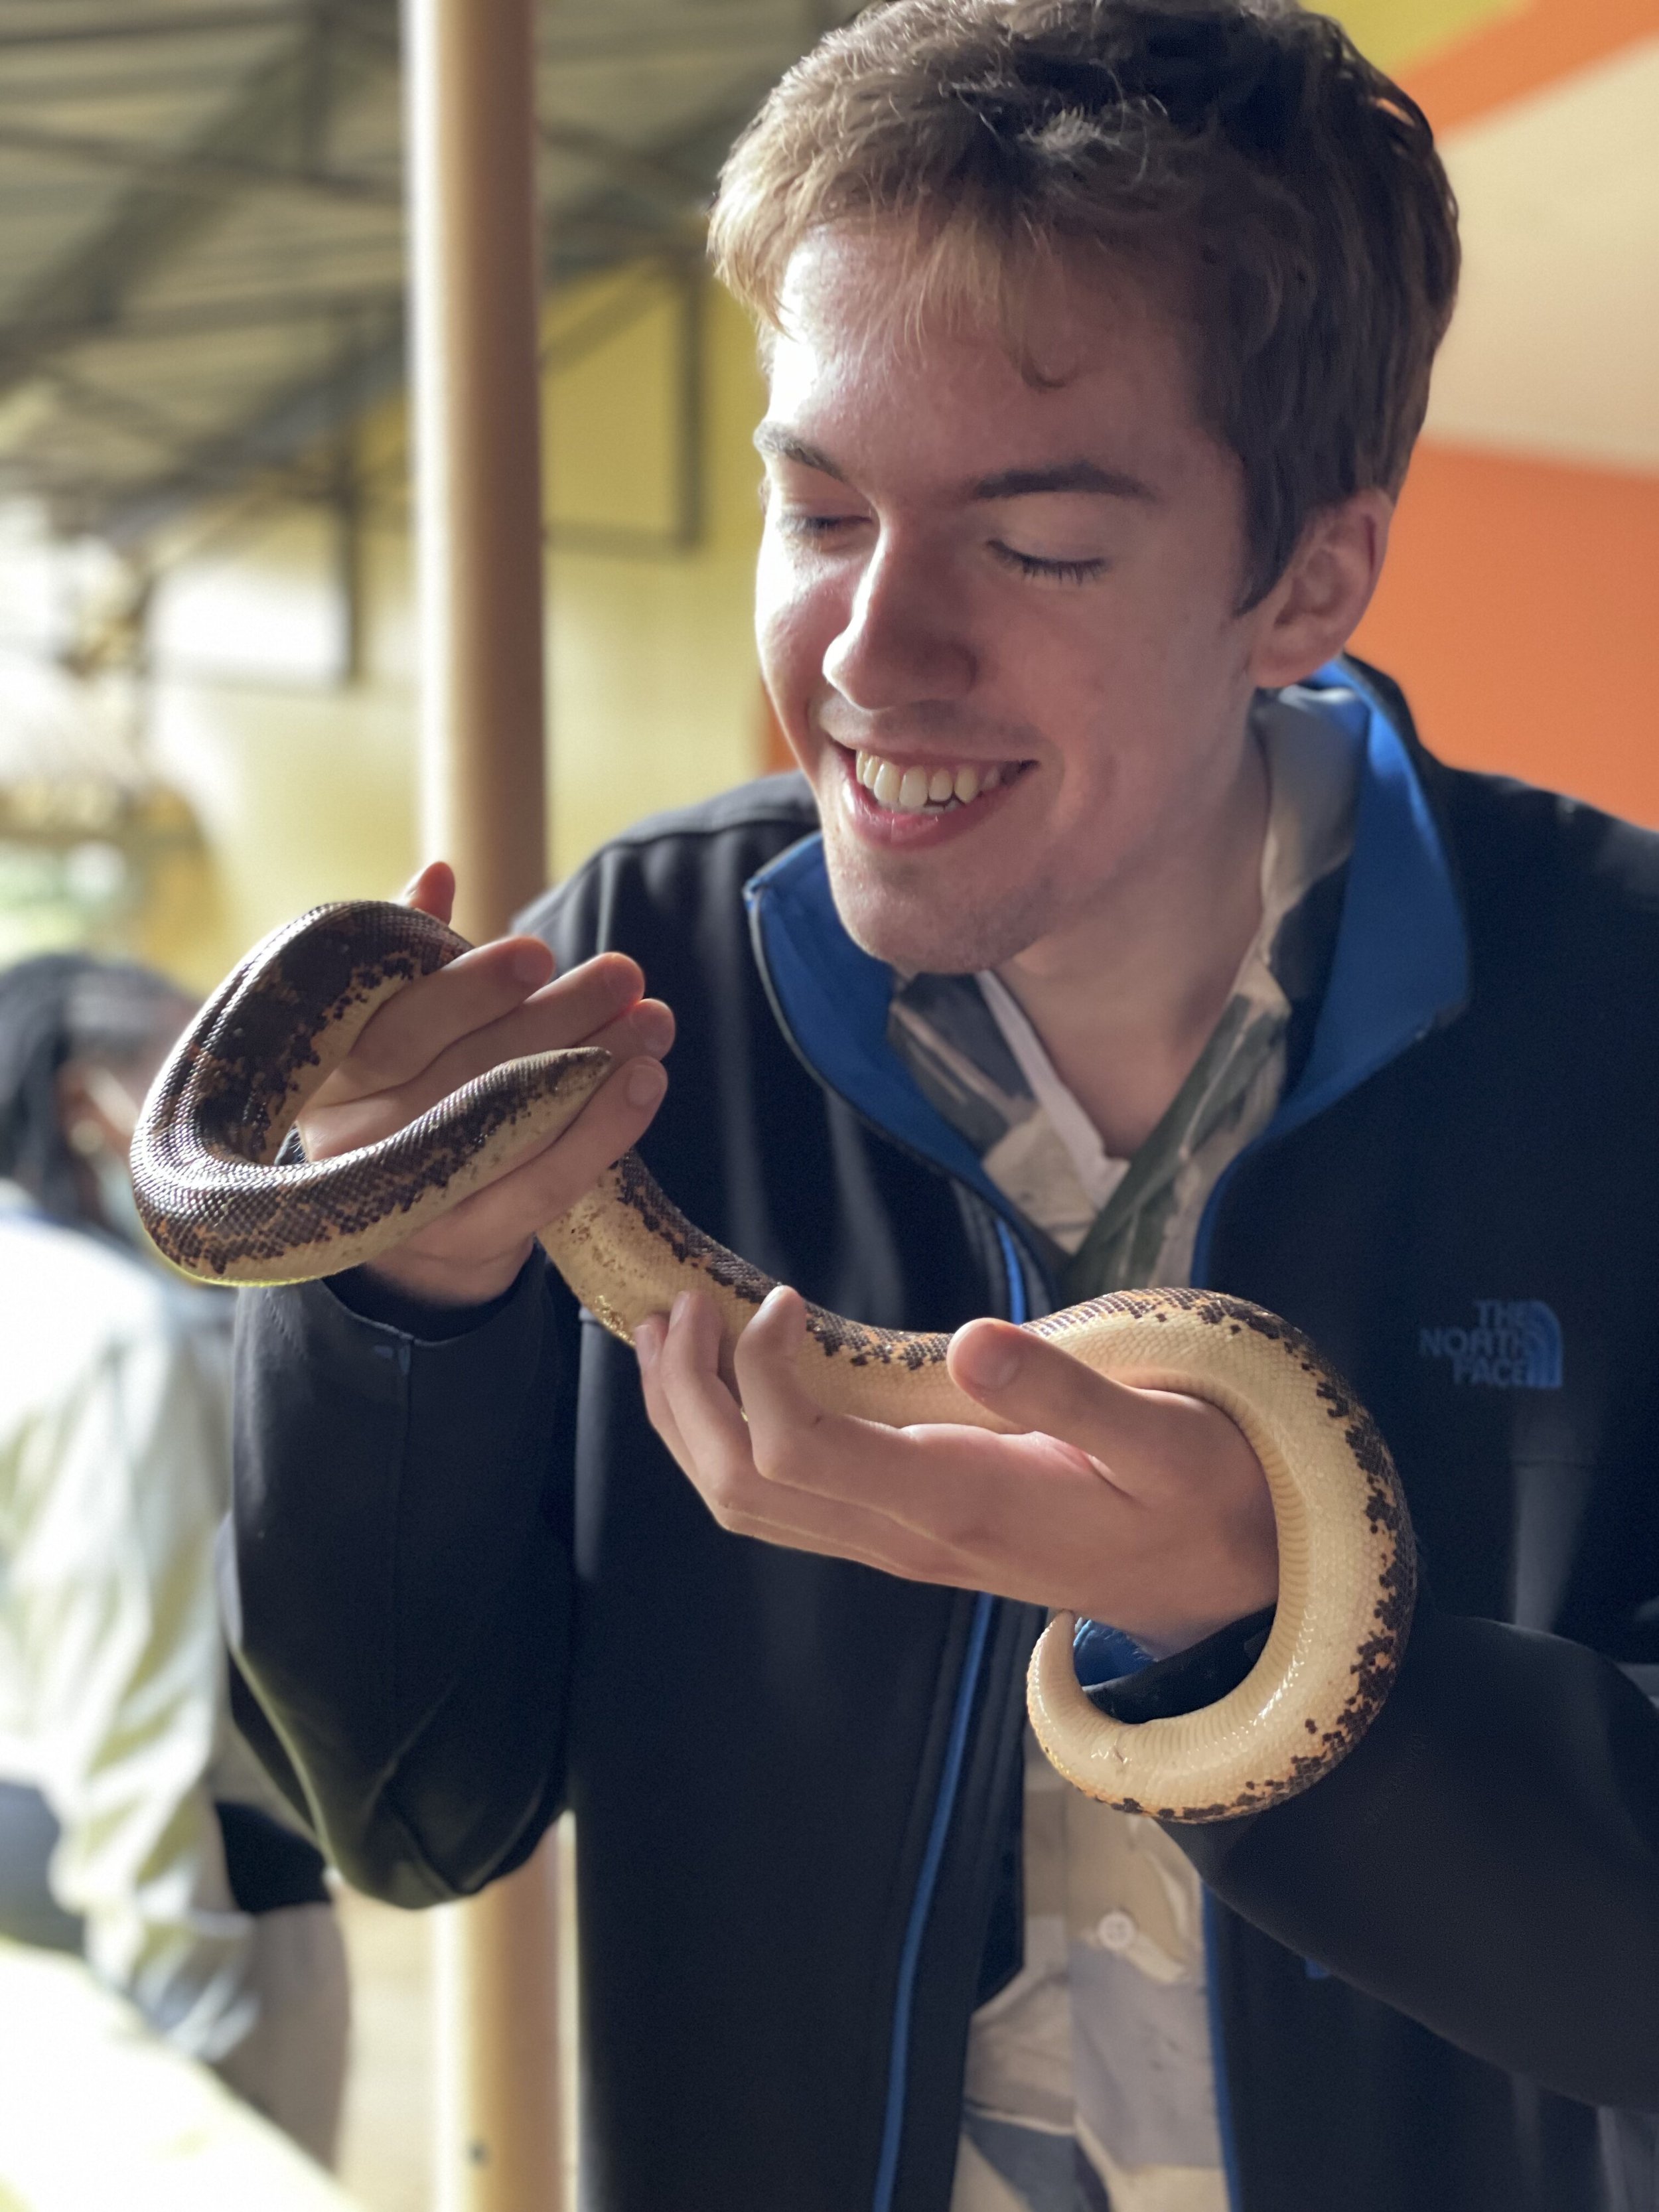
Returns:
(221,1206)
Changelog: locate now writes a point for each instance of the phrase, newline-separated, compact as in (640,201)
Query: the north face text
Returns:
(1515,1345)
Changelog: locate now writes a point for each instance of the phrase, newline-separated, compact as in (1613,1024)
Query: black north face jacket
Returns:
(474,1589)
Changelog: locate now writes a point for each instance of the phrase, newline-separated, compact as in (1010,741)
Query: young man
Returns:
(1119,934)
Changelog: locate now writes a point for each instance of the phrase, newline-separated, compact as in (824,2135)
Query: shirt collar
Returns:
(1400,967)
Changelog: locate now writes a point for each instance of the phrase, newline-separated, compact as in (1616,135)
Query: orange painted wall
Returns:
(1517,609)
(1518,53)
(1518,604)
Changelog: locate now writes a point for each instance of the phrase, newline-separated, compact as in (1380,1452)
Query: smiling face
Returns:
(998,618)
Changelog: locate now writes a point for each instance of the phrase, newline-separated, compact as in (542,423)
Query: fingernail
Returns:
(528,964)
(677,1310)
(647,1083)
(990,1362)
(646,1343)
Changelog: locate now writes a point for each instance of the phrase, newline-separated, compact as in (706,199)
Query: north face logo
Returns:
(1515,1345)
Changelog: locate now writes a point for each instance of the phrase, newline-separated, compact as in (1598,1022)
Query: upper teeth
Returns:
(912,788)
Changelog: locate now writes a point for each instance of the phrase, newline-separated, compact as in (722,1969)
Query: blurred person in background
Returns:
(134,1827)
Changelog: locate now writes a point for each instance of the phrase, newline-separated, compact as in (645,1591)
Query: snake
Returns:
(229,1197)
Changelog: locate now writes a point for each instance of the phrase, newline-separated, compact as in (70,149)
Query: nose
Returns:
(903,644)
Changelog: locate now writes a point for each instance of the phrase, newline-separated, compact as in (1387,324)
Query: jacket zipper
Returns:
(892,2132)
(915,1928)
(898,2050)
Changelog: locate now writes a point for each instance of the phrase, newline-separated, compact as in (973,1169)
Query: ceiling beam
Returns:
(278,438)
(196,318)
(646,174)
(178,23)
(603,229)
(272,113)
(194,168)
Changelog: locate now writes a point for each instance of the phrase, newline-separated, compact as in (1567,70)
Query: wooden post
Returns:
(475,280)
(470,74)
(499,2114)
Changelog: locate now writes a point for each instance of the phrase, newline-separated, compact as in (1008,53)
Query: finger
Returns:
(647,1027)
(697,1416)
(1035,1385)
(432,889)
(577,1009)
(845,1464)
(889,1486)
(648,1337)
(427,1017)
(547,1182)
(460,1004)
(862,1540)
(707,1417)
(346,1113)
(783,1418)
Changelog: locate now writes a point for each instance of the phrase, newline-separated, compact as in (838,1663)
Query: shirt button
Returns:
(1116,1931)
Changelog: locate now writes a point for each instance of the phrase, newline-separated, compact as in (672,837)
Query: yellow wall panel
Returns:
(305,784)
(1396,32)
(610,430)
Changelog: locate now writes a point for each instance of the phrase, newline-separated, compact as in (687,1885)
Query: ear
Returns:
(1316,605)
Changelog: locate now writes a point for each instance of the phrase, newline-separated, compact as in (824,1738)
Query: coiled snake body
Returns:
(219,1205)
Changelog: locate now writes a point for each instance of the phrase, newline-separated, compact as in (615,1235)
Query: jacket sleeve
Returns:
(1485,1860)
(403,1586)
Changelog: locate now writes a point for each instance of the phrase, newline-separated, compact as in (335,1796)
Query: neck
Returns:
(1126,998)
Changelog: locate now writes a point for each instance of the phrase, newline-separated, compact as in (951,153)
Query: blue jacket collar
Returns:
(1400,965)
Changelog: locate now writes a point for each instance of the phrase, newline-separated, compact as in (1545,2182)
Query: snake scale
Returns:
(221,1207)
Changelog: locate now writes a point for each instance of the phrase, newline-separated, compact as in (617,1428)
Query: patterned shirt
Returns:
(1090,2079)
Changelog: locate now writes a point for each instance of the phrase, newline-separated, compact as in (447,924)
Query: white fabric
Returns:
(1097,1173)
(114,1468)
(291,2064)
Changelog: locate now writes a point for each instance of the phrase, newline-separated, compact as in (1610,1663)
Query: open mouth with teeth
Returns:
(940,790)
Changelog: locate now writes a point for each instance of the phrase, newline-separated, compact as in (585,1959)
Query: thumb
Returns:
(432,890)
(1033,1384)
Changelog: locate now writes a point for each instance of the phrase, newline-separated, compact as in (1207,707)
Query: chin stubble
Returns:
(909,928)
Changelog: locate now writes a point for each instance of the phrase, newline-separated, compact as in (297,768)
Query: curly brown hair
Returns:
(1240,157)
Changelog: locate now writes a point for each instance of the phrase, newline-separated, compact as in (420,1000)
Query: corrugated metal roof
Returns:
(201,227)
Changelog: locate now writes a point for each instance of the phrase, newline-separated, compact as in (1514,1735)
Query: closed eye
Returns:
(1053,572)
(793,524)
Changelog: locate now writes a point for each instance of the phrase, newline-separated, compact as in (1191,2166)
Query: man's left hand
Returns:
(1141,1508)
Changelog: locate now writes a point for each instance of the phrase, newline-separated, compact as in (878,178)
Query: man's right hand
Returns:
(497,1003)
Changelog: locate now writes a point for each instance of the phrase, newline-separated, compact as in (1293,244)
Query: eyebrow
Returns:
(1078,476)
(1074,476)
(783,444)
